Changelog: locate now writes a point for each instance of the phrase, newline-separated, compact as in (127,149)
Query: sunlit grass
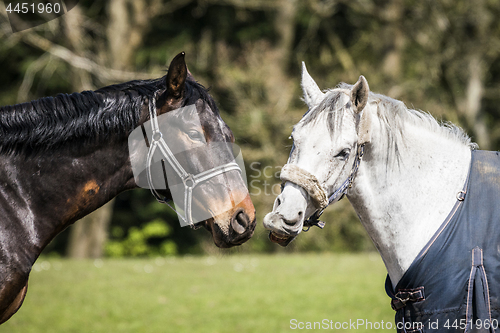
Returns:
(258,293)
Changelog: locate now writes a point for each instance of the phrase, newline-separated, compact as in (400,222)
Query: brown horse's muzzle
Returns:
(233,227)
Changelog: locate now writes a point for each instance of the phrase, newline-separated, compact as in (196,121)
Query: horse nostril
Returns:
(295,220)
(240,222)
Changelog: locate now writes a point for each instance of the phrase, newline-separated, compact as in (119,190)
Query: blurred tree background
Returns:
(439,56)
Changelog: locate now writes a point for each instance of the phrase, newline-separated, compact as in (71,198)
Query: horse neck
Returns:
(403,203)
(54,189)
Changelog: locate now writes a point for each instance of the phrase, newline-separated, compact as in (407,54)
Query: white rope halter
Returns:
(189,180)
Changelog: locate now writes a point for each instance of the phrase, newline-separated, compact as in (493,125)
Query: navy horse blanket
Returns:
(454,283)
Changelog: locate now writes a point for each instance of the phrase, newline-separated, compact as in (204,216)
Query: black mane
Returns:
(82,118)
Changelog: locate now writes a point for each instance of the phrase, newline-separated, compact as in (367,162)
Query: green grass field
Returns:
(257,293)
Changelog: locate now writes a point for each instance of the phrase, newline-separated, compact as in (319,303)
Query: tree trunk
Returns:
(128,22)
(285,26)
(278,84)
(478,36)
(472,106)
(125,31)
(395,39)
(88,235)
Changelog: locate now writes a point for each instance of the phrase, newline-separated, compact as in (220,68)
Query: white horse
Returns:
(402,171)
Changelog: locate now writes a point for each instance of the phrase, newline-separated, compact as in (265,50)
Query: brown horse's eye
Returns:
(196,136)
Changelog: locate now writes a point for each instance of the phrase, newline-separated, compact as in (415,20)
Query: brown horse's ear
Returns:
(359,94)
(176,76)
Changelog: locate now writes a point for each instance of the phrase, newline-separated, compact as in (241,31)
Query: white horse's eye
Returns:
(344,154)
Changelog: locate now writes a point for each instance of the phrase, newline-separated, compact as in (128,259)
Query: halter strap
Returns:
(310,183)
(189,180)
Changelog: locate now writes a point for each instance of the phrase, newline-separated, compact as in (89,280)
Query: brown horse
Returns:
(63,157)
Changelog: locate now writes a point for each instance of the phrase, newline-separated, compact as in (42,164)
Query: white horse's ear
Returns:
(312,93)
(365,127)
(359,99)
(359,94)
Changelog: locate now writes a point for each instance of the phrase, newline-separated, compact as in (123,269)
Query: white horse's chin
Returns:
(280,239)
(286,220)
(279,232)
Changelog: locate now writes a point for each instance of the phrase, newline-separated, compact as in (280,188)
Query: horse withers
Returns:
(425,195)
(63,157)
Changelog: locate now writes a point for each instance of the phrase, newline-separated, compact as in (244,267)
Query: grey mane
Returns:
(393,113)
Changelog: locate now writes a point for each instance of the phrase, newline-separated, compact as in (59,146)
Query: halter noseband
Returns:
(189,180)
(310,183)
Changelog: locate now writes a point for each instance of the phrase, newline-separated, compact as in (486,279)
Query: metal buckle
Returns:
(157,135)
(189,181)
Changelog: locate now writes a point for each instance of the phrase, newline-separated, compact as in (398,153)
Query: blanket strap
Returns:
(404,296)
(478,295)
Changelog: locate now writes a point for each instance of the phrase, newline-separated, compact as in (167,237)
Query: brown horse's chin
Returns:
(217,234)
(223,240)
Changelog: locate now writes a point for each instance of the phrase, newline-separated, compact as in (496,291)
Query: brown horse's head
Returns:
(195,161)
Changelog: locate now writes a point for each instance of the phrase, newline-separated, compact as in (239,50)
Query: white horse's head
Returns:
(326,149)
